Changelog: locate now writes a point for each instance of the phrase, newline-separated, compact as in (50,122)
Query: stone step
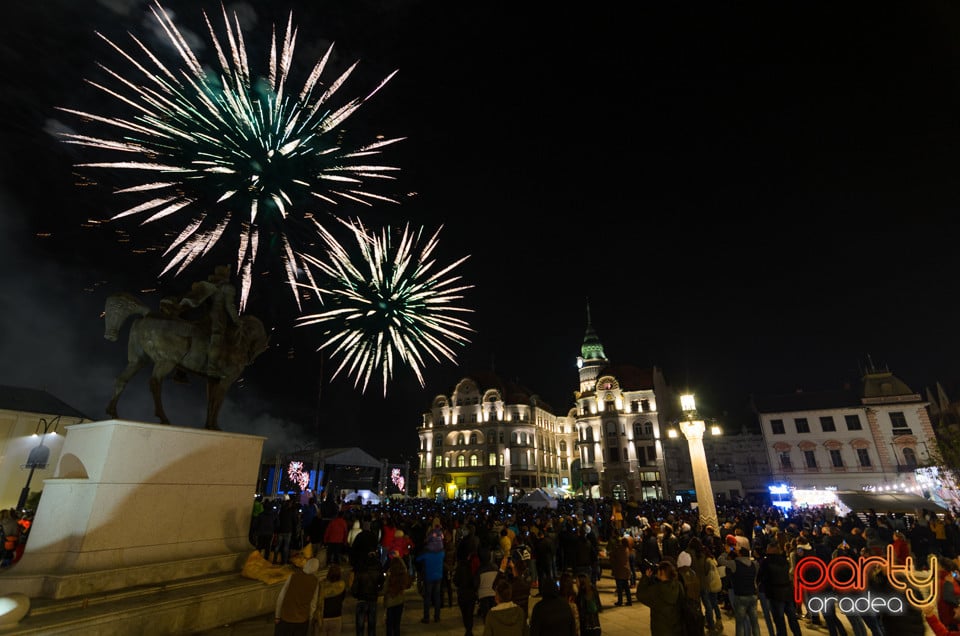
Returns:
(174,608)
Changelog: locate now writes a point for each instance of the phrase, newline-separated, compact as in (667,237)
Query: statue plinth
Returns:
(138,504)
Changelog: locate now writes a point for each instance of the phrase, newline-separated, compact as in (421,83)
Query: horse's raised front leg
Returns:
(132,368)
(160,371)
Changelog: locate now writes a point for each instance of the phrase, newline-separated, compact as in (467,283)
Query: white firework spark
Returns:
(229,156)
(392,304)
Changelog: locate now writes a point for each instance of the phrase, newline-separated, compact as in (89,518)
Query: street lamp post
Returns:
(38,457)
(693,429)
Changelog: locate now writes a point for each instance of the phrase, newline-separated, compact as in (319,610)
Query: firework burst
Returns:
(225,156)
(392,304)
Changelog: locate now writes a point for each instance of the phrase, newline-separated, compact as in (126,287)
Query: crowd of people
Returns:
(488,560)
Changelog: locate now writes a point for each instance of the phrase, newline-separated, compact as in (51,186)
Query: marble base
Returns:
(137,504)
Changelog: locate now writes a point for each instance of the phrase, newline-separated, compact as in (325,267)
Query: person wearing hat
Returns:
(297,601)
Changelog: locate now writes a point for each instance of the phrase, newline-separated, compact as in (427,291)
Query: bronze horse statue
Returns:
(171,342)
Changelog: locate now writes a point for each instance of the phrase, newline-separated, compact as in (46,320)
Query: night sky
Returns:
(754,197)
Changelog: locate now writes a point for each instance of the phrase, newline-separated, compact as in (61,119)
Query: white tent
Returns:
(538,499)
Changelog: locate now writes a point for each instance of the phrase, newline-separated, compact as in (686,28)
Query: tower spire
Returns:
(591,349)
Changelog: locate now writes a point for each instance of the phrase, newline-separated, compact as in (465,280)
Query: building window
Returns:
(836,458)
(645,405)
(777,427)
(473,438)
(438,442)
(863,456)
(634,406)
(802,425)
(898,420)
(501,437)
(500,459)
(810,457)
(647,428)
(613,454)
(611,429)
(492,459)
(460,440)
(474,460)
(910,457)
(446,462)
(461,461)
(563,446)
(785,460)
(563,463)
(853,422)
(651,453)
(491,439)
(438,461)
(827,425)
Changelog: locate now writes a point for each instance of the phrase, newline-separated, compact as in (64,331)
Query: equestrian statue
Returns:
(217,345)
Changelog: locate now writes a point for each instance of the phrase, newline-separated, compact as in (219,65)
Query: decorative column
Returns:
(693,430)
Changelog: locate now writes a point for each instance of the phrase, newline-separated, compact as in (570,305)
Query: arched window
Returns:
(563,446)
(473,438)
(492,459)
(461,461)
(474,460)
(438,461)
(460,439)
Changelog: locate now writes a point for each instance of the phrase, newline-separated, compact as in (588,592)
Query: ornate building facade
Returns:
(619,426)
(492,438)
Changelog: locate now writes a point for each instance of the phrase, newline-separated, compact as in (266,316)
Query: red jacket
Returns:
(336,531)
(402,544)
(948,597)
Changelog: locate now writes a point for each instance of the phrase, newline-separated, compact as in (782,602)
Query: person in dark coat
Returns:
(466,579)
(287,520)
(773,578)
(265,527)
(649,549)
(619,554)
(552,616)
(363,544)
(659,589)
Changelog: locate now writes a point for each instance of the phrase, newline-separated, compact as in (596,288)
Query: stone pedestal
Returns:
(139,504)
